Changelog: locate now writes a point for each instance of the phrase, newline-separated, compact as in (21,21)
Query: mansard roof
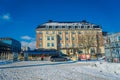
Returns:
(70,23)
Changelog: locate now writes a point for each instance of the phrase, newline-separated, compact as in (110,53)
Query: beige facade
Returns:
(70,37)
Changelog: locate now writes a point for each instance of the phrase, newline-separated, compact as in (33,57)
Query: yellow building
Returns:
(70,37)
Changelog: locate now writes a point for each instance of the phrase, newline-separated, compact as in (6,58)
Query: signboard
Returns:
(84,56)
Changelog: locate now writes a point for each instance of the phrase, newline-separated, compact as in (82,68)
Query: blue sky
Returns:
(19,18)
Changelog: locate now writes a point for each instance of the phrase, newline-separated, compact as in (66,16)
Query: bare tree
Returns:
(87,40)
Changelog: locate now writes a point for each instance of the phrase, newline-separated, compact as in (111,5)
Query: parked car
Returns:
(58,58)
(102,58)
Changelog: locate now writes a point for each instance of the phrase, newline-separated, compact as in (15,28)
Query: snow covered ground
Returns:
(46,70)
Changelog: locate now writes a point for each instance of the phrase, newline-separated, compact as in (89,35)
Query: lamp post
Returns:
(97,36)
(109,47)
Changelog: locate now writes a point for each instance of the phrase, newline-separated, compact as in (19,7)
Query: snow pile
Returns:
(113,69)
(46,70)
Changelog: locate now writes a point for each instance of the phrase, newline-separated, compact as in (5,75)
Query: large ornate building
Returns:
(70,37)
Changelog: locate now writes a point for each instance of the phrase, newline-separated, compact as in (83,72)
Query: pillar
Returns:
(15,56)
(25,56)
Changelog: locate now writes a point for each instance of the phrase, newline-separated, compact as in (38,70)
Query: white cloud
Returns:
(6,16)
(31,44)
(27,37)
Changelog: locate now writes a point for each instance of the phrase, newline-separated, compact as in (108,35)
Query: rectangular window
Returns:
(66,32)
(66,38)
(73,38)
(73,32)
(40,32)
(48,44)
(52,38)
(40,38)
(60,45)
(60,32)
(40,45)
(48,37)
(60,37)
(52,44)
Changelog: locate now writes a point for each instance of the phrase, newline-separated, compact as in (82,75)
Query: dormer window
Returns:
(76,26)
(96,27)
(56,26)
(69,26)
(88,26)
(82,26)
(50,26)
(63,26)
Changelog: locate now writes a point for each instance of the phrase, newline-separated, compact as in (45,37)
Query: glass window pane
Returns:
(66,38)
(52,38)
(40,38)
(48,44)
(48,38)
(40,32)
(66,32)
(52,44)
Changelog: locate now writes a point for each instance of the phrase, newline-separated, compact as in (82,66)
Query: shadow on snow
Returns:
(56,63)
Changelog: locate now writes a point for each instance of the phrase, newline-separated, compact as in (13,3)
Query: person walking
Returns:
(42,57)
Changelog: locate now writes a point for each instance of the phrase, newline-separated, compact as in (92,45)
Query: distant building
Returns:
(15,46)
(70,37)
(11,47)
(112,46)
(25,48)
(4,48)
